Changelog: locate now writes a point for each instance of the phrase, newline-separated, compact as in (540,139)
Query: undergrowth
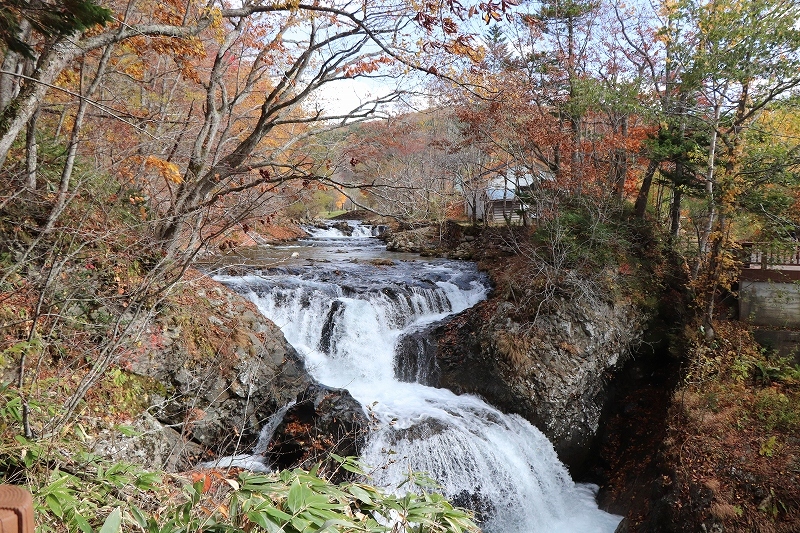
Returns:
(77,491)
(585,251)
(734,435)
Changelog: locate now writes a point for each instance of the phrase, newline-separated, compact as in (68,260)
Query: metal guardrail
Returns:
(16,510)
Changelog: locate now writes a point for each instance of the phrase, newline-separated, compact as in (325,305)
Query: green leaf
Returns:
(325,514)
(256,482)
(298,496)
(113,522)
(300,523)
(128,431)
(360,494)
(329,525)
(147,481)
(234,508)
(82,523)
(455,525)
(196,491)
(353,467)
(351,464)
(54,505)
(263,520)
(277,513)
(138,516)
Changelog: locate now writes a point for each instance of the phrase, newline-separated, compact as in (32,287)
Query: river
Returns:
(345,303)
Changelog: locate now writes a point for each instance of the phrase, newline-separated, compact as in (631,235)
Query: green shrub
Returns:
(77,491)
(776,409)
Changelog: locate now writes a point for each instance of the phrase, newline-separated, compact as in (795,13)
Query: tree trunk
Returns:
(620,164)
(640,208)
(72,149)
(714,267)
(675,213)
(20,110)
(12,67)
(710,176)
(31,152)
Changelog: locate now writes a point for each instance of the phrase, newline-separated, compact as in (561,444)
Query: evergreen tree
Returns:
(50,19)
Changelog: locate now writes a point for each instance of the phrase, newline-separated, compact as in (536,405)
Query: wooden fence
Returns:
(770,255)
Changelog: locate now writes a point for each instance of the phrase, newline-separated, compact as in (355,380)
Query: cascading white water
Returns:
(346,319)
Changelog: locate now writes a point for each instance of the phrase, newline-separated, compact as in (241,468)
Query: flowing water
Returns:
(344,303)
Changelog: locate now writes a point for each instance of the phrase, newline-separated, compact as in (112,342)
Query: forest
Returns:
(140,137)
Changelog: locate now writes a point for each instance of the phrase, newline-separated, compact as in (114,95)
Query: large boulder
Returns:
(223,368)
(323,420)
(553,372)
(448,239)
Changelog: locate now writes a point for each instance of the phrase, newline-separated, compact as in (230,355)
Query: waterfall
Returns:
(347,320)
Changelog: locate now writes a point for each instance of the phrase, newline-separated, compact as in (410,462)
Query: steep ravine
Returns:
(626,460)
(561,372)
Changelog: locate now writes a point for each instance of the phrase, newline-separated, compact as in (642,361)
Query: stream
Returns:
(345,304)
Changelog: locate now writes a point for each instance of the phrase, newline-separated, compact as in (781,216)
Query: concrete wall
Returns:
(769,303)
(786,343)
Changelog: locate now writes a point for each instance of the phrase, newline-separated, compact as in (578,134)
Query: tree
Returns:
(771,170)
(50,19)
(569,25)
(167,127)
(265,61)
(748,56)
(409,162)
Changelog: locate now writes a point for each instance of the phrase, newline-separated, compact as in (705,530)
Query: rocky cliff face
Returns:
(224,369)
(554,371)
(550,364)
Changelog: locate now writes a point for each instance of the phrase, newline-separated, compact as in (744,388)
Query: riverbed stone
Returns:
(323,420)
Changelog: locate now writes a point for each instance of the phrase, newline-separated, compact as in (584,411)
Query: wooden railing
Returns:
(16,510)
(770,254)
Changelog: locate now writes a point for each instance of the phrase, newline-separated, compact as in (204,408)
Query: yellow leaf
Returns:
(168,171)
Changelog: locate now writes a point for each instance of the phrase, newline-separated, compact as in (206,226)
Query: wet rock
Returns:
(323,420)
(415,355)
(420,430)
(381,262)
(344,227)
(482,506)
